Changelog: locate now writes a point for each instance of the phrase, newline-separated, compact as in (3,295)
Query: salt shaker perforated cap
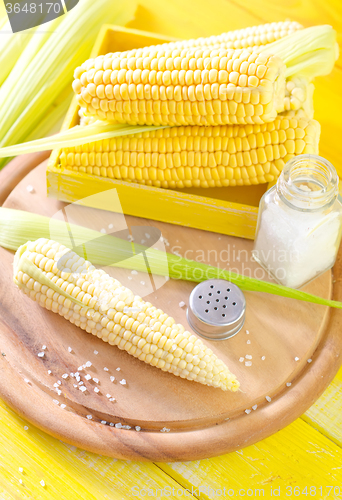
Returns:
(216,309)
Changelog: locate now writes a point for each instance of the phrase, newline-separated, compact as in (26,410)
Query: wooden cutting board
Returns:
(200,421)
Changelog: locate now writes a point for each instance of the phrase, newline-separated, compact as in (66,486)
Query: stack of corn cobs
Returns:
(234,107)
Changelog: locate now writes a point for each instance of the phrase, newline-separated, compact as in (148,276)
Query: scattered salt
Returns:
(106,369)
(88,377)
(59,382)
(41,355)
(134,272)
(69,349)
(111,424)
(164,429)
(142,282)
(296,359)
(42,482)
(49,372)
(81,383)
(181,304)
(25,428)
(248,363)
(83,388)
(80,368)
(96,352)
(248,356)
(96,389)
(30,189)
(108,396)
(103,231)
(26,380)
(58,392)
(112,379)
(247,331)
(111,399)
(65,375)
(44,347)
(254,407)
(137,428)
(88,364)
(247,411)
(288,384)
(55,401)
(248,342)
(263,358)
(241,360)
(268,399)
(89,417)
(118,425)
(309,360)
(63,406)
(96,380)
(20,481)
(55,385)
(21,469)
(103,422)
(75,385)
(118,369)
(123,382)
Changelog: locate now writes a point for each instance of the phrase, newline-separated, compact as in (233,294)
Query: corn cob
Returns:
(299,95)
(179,157)
(199,86)
(61,281)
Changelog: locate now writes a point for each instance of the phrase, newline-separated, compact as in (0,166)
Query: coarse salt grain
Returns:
(181,304)
(268,399)
(20,481)
(89,417)
(248,411)
(241,360)
(111,424)
(25,428)
(96,389)
(263,358)
(309,360)
(59,382)
(69,349)
(108,396)
(247,331)
(44,347)
(96,380)
(105,369)
(88,364)
(81,383)
(55,385)
(103,422)
(254,407)
(41,354)
(118,369)
(75,385)
(134,272)
(111,399)
(288,384)
(63,406)
(248,342)
(30,189)
(88,377)
(112,378)
(248,356)
(55,401)
(42,482)
(164,429)
(123,382)
(80,368)
(26,380)
(96,352)
(137,428)
(65,375)
(296,358)
(248,363)
(58,392)
(83,388)
(49,372)
(21,469)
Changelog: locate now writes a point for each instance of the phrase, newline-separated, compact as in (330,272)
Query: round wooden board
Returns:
(203,421)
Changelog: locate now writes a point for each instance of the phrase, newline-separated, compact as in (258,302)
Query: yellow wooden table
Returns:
(304,459)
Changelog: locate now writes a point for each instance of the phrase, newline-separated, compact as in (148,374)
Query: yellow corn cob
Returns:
(299,95)
(180,157)
(254,36)
(61,281)
(200,86)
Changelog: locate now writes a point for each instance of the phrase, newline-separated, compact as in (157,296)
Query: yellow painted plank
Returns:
(296,456)
(69,473)
(326,414)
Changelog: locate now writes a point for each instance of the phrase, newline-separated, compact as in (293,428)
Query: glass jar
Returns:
(299,223)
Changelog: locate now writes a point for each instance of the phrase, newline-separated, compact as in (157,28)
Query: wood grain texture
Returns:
(42,455)
(196,413)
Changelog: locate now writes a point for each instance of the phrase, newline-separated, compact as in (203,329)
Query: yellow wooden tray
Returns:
(230,210)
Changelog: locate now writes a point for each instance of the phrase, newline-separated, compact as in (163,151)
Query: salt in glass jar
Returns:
(299,223)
